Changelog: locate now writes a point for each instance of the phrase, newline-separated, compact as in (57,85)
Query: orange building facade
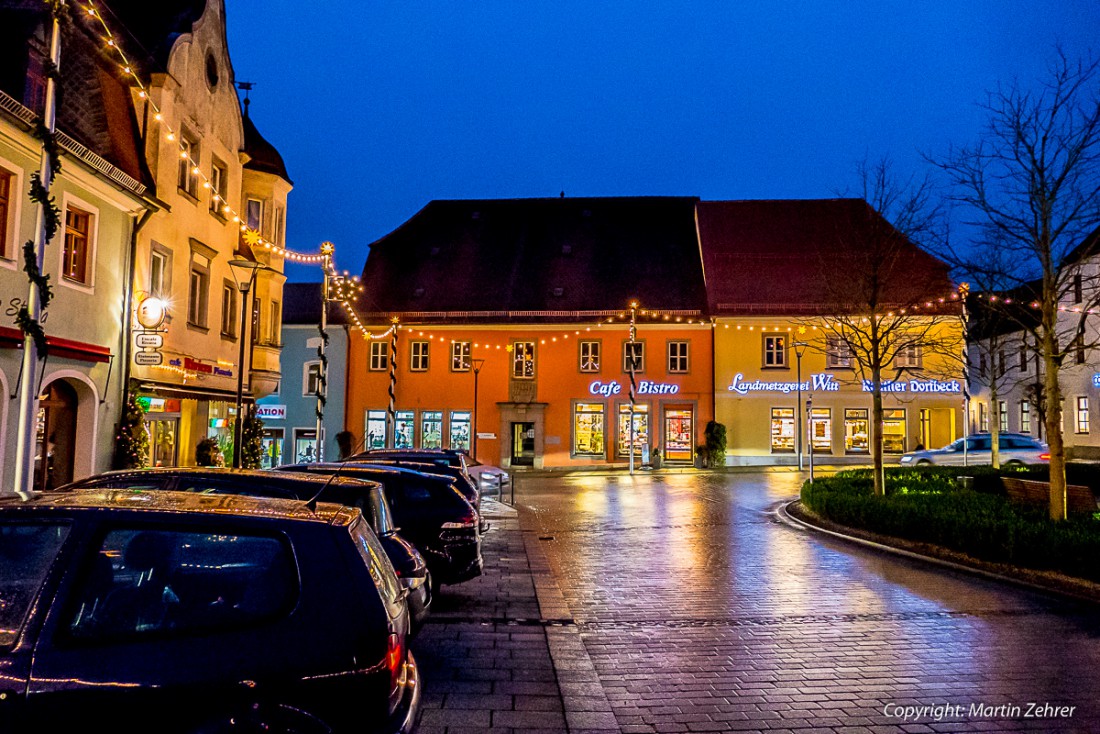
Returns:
(548,395)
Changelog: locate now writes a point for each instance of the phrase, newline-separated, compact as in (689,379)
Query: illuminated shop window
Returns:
(893,431)
(460,430)
(679,435)
(641,428)
(783,430)
(821,432)
(431,429)
(376,429)
(403,436)
(588,429)
(855,431)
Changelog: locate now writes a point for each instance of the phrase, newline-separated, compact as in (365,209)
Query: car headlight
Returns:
(906,459)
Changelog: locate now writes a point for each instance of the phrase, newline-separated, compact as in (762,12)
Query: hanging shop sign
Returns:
(148,359)
(271,412)
(151,313)
(816,383)
(951,387)
(645,387)
(1096,380)
(201,368)
(145,340)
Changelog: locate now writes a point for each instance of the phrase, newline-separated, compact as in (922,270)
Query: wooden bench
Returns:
(1078,497)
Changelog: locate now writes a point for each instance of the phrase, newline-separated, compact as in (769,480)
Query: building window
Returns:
(305,446)
(218,176)
(418,357)
(856,435)
(275,323)
(76,259)
(908,356)
(376,429)
(431,429)
(783,430)
(1002,363)
(160,271)
(893,431)
(523,360)
(677,357)
(460,356)
(460,430)
(403,435)
(311,379)
(588,429)
(255,336)
(278,235)
(983,418)
(254,214)
(272,444)
(634,354)
(7,212)
(641,428)
(590,356)
(185,175)
(821,430)
(1079,351)
(981,363)
(1002,416)
(1023,358)
(379,356)
(775,350)
(198,291)
(1025,416)
(1078,291)
(229,310)
(1082,422)
(838,354)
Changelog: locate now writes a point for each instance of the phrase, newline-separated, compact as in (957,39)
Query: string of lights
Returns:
(251,236)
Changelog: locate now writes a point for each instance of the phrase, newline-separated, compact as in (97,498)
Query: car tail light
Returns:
(469,520)
(395,660)
(1044,457)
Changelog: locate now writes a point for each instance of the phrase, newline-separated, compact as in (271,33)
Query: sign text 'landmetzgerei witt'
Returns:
(827,383)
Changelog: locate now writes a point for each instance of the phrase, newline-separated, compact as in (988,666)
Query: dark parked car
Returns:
(430,512)
(450,462)
(137,611)
(369,497)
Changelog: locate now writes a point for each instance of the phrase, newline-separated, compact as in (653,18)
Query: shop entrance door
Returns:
(163,440)
(523,444)
(679,435)
(56,439)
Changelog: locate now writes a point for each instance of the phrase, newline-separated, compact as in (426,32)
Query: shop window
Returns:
(272,442)
(305,446)
(403,434)
(379,356)
(679,437)
(1002,416)
(588,429)
(775,350)
(7,213)
(418,356)
(641,428)
(311,379)
(198,290)
(838,354)
(590,356)
(376,429)
(431,429)
(460,430)
(1082,422)
(908,356)
(821,430)
(1025,416)
(856,435)
(460,356)
(678,357)
(634,356)
(76,263)
(893,431)
(783,430)
(523,360)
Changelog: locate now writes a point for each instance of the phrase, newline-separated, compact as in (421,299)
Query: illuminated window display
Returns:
(856,431)
(641,428)
(376,429)
(783,429)
(679,435)
(403,437)
(431,429)
(893,431)
(460,430)
(588,429)
(821,431)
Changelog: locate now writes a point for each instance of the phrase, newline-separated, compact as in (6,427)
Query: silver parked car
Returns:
(1015,449)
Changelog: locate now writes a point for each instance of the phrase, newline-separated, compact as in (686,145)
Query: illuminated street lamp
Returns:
(810,430)
(799,350)
(244,273)
(477,365)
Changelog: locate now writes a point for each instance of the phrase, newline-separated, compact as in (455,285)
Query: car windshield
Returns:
(26,553)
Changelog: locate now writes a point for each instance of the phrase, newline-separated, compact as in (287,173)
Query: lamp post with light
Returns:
(799,350)
(810,430)
(244,273)
(477,365)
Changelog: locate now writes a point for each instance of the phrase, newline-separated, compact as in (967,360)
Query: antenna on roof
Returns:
(246,87)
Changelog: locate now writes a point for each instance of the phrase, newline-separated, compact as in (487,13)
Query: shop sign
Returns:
(916,386)
(1096,380)
(645,387)
(202,368)
(487,436)
(271,412)
(148,341)
(817,383)
(148,359)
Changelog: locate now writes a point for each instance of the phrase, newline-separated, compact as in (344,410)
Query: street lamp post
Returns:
(810,430)
(244,273)
(799,350)
(477,365)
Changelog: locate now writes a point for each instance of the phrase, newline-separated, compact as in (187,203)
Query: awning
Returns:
(13,339)
(189,392)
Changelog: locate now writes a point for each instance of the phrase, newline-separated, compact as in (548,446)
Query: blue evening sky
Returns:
(380,107)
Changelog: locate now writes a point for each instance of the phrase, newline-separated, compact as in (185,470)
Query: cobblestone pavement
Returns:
(696,610)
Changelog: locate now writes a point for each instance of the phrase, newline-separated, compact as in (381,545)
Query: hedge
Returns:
(926,506)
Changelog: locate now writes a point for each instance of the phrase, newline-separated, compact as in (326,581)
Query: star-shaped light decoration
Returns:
(801,329)
(251,237)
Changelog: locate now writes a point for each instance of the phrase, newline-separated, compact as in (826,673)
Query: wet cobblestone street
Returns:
(699,611)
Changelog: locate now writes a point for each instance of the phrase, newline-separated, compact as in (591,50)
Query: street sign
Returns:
(148,358)
(149,341)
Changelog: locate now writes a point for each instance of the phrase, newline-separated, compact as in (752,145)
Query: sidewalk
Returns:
(498,652)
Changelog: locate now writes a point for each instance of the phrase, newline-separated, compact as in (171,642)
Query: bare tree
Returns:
(889,303)
(1031,185)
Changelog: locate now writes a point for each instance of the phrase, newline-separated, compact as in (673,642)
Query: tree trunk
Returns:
(879,472)
(994,421)
(1054,429)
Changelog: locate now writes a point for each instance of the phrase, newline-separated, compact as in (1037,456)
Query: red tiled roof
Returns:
(807,257)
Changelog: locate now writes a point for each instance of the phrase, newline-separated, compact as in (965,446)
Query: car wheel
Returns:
(924,462)
(1013,464)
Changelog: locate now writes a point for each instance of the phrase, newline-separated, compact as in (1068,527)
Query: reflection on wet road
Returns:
(702,612)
